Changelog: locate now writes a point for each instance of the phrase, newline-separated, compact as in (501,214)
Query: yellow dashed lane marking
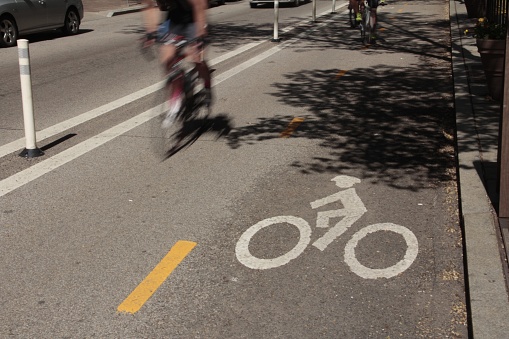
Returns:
(151,283)
(291,127)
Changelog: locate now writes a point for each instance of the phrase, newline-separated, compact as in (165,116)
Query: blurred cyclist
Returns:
(185,19)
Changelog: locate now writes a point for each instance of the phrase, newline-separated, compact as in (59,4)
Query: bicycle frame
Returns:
(366,27)
(188,77)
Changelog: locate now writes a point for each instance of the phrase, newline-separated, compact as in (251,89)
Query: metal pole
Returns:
(314,10)
(31,149)
(333,6)
(276,22)
(503,144)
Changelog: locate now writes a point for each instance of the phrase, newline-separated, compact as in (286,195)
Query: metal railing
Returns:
(496,11)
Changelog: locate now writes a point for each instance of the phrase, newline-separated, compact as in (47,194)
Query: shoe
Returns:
(175,106)
(208,97)
(358,17)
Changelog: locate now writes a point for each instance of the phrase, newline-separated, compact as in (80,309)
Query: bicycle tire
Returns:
(186,127)
(194,94)
(367,26)
(164,135)
(362,30)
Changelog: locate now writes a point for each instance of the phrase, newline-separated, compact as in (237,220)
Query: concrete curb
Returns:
(127,10)
(488,296)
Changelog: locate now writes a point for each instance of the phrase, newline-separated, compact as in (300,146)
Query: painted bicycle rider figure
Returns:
(358,7)
(186,19)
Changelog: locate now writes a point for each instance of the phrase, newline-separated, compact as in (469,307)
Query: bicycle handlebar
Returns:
(179,43)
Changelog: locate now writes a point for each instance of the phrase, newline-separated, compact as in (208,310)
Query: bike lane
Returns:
(378,114)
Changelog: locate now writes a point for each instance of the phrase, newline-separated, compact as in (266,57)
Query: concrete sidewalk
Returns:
(477,119)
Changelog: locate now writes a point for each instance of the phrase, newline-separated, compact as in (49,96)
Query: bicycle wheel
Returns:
(247,259)
(366,18)
(194,91)
(166,128)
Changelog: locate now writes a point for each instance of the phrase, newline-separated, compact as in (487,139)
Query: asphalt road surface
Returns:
(320,200)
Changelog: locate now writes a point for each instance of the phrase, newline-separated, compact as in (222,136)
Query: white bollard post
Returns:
(333,6)
(314,10)
(31,149)
(276,22)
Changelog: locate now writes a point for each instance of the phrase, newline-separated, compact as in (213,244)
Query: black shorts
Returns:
(170,33)
(373,3)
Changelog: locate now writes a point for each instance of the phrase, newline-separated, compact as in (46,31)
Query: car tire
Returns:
(72,22)
(295,3)
(8,32)
(253,5)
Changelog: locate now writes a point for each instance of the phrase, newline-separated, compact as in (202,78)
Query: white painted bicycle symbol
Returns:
(353,209)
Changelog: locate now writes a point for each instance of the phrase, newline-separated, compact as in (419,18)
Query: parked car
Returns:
(19,17)
(216,2)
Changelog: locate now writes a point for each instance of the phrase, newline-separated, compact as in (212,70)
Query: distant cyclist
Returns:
(355,5)
(373,4)
(185,19)
(358,6)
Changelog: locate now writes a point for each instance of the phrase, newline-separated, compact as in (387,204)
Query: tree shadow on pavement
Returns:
(390,123)
(394,124)
(192,129)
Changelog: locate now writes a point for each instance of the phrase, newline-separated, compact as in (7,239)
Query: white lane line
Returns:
(233,53)
(24,177)
(65,125)
(19,144)
(82,118)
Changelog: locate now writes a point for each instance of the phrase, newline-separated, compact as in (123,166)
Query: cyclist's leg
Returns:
(174,85)
(373,19)
(374,6)
(196,54)
(355,4)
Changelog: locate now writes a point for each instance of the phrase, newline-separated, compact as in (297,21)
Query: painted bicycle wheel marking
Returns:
(389,272)
(246,258)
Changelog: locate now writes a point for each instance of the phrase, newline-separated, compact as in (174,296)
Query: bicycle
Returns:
(365,25)
(353,209)
(172,127)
